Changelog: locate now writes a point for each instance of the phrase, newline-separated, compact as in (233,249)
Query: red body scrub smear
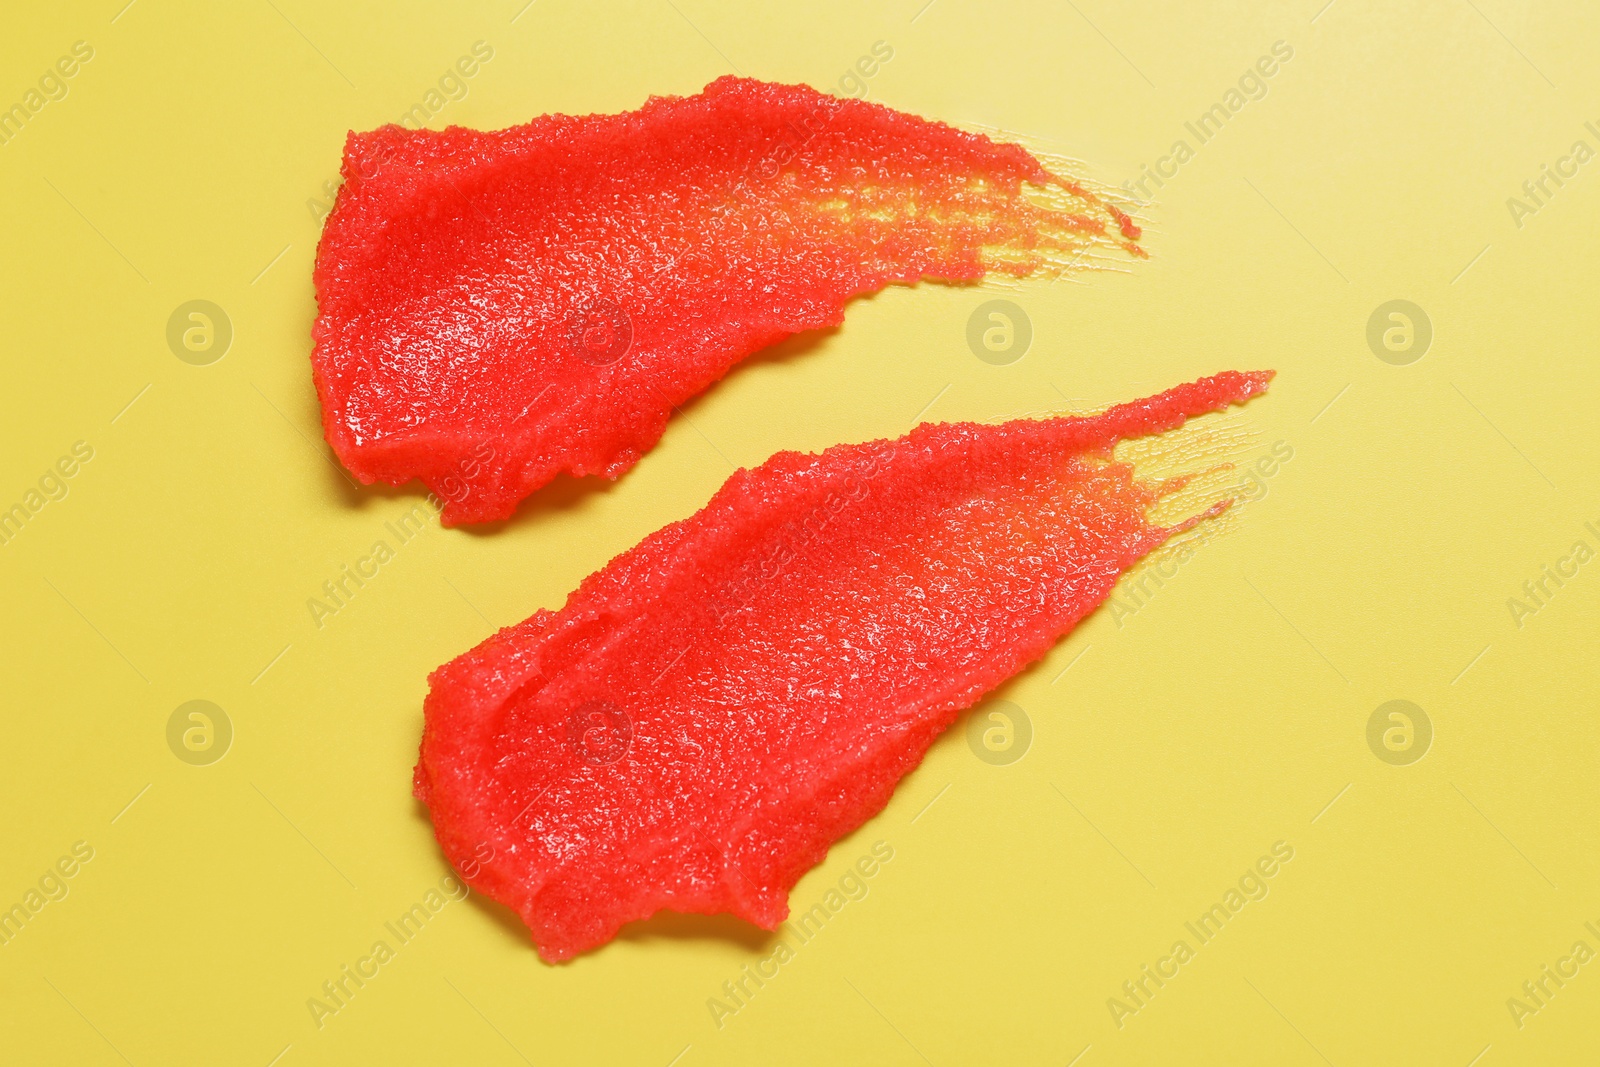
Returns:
(716,706)
(546,295)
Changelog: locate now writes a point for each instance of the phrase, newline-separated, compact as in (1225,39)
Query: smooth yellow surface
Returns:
(1227,713)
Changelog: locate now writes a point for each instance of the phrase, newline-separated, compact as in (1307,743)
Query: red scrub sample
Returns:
(716,706)
(495,308)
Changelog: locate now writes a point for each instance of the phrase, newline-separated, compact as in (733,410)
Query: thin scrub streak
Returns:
(555,290)
(713,709)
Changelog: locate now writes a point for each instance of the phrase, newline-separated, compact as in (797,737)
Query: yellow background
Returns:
(1224,716)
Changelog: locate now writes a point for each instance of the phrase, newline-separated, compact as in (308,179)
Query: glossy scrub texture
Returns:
(546,295)
(716,706)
